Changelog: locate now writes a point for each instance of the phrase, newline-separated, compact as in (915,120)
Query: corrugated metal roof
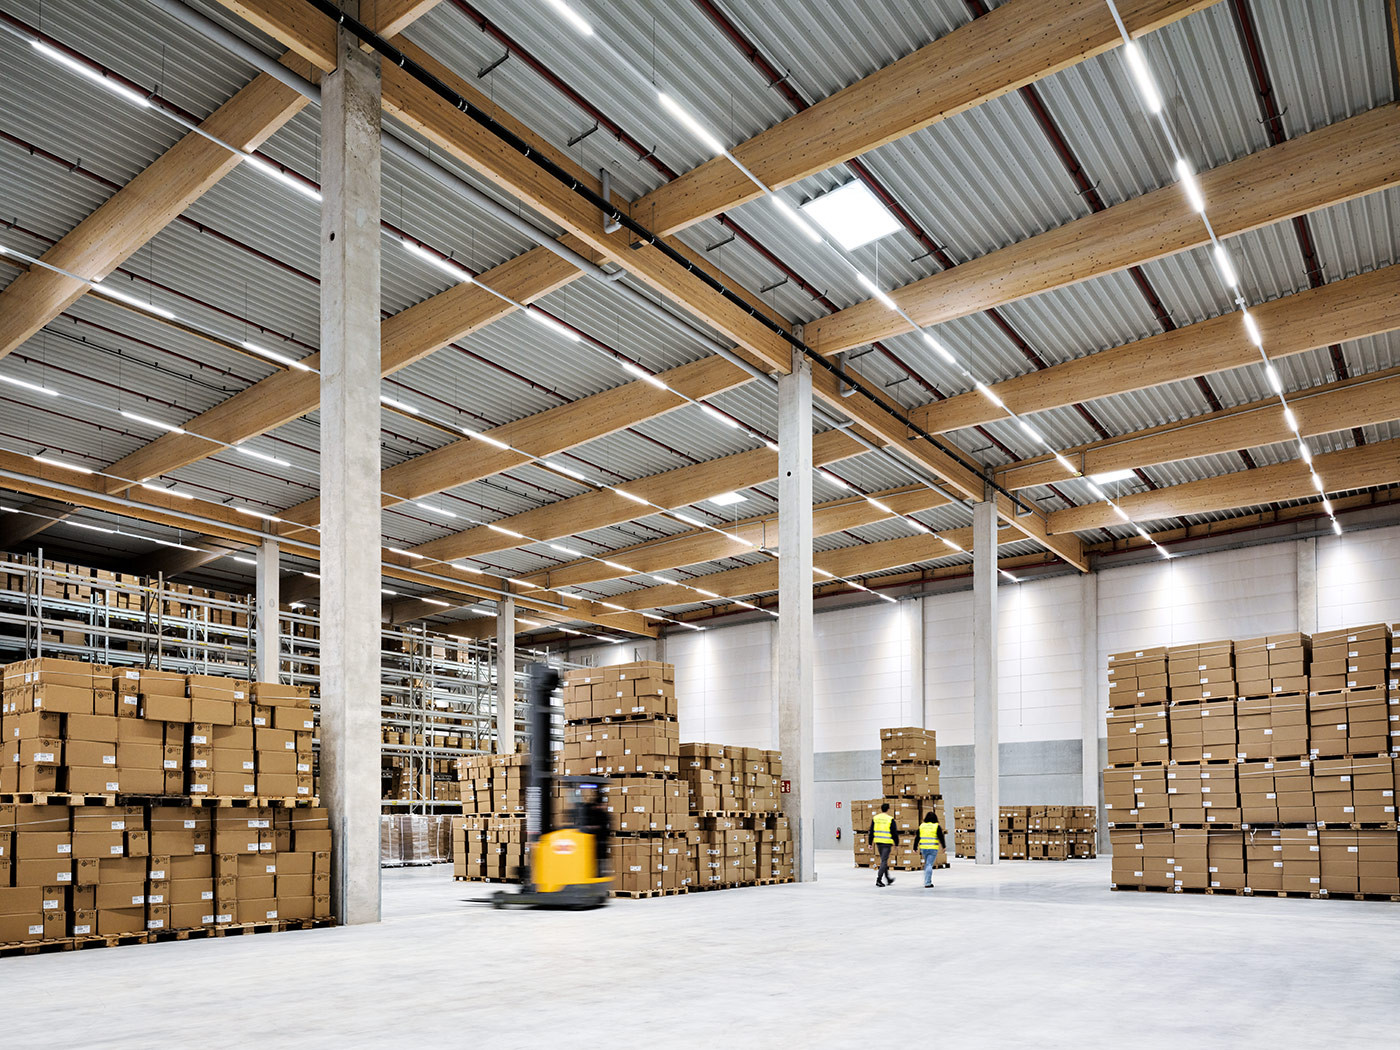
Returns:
(1327,62)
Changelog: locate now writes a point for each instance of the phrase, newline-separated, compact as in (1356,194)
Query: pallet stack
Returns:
(136,802)
(909,783)
(488,842)
(1286,788)
(965,831)
(1032,832)
(684,816)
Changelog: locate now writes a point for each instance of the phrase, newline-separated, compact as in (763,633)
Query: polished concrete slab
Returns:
(1019,955)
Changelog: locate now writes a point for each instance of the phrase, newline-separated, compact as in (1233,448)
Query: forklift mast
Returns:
(542,681)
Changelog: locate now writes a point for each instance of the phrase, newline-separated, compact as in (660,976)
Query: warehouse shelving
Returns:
(434,687)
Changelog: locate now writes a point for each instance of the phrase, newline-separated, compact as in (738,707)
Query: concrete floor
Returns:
(1020,955)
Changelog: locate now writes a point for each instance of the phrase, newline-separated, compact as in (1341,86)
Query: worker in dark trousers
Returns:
(885,836)
(930,840)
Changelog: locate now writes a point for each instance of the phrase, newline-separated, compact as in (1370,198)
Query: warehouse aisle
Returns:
(1026,954)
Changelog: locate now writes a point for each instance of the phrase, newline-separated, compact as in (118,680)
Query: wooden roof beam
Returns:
(1328,166)
(1356,402)
(1353,468)
(1353,308)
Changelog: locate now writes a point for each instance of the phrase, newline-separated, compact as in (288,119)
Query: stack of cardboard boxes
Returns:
(87,729)
(133,870)
(620,722)
(1288,788)
(488,843)
(734,795)
(1033,832)
(909,783)
(110,785)
(684,816)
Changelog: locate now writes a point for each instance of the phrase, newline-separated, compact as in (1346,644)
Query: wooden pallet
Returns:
(615,719)
(643,894)
(68,798)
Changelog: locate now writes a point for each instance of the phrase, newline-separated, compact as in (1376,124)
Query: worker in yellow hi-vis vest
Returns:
(930,840)
(885,836)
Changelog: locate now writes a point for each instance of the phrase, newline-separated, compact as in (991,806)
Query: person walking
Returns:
(930,840)
(885,836)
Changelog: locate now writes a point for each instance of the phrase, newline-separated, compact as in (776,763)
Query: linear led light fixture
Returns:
(1225,266)
(1305,453)
(938,348)
(131,300)
(437,510)
(402,406)
(177,546)
(642,374)
(1190,186)
(635,499)
(435,601)
(553,464)
(989,394)
(828,476)
(90,528)
(91,74)
(566,550)
(406,554)
(447,266)
(716,414)
(1142,76)
(244,561)
(156,423)
(614,605)
(878,505)
(59,463)
(544,319)
(25,385)
(687,519)
(312,575)
(875,290)
(726,499)
(273,355)
(257,514)
(620,567)
(1107,478)
(571,16)
(272,171)
(790,213)
(504,531)
(1251,329)
(255,454)
(162,490)
(493,442)
(689,122)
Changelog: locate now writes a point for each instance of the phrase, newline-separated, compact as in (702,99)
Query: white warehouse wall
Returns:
(866,667)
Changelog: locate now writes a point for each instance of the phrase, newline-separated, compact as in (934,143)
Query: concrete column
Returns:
(1307,585)
(267,644)
(505,676)
(986,767)
(1091,675)
(796,643)
(350,600)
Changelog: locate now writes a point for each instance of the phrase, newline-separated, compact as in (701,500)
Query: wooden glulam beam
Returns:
(24,475)
(702,545)
(923,454)
(311,35)
(543,434)
(1353,308)
(1325,167)
(143,207)
(1015,44)
(169,185)
(405,338)
(1353,468)
(599,509)
(1356,402)
(762,579)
